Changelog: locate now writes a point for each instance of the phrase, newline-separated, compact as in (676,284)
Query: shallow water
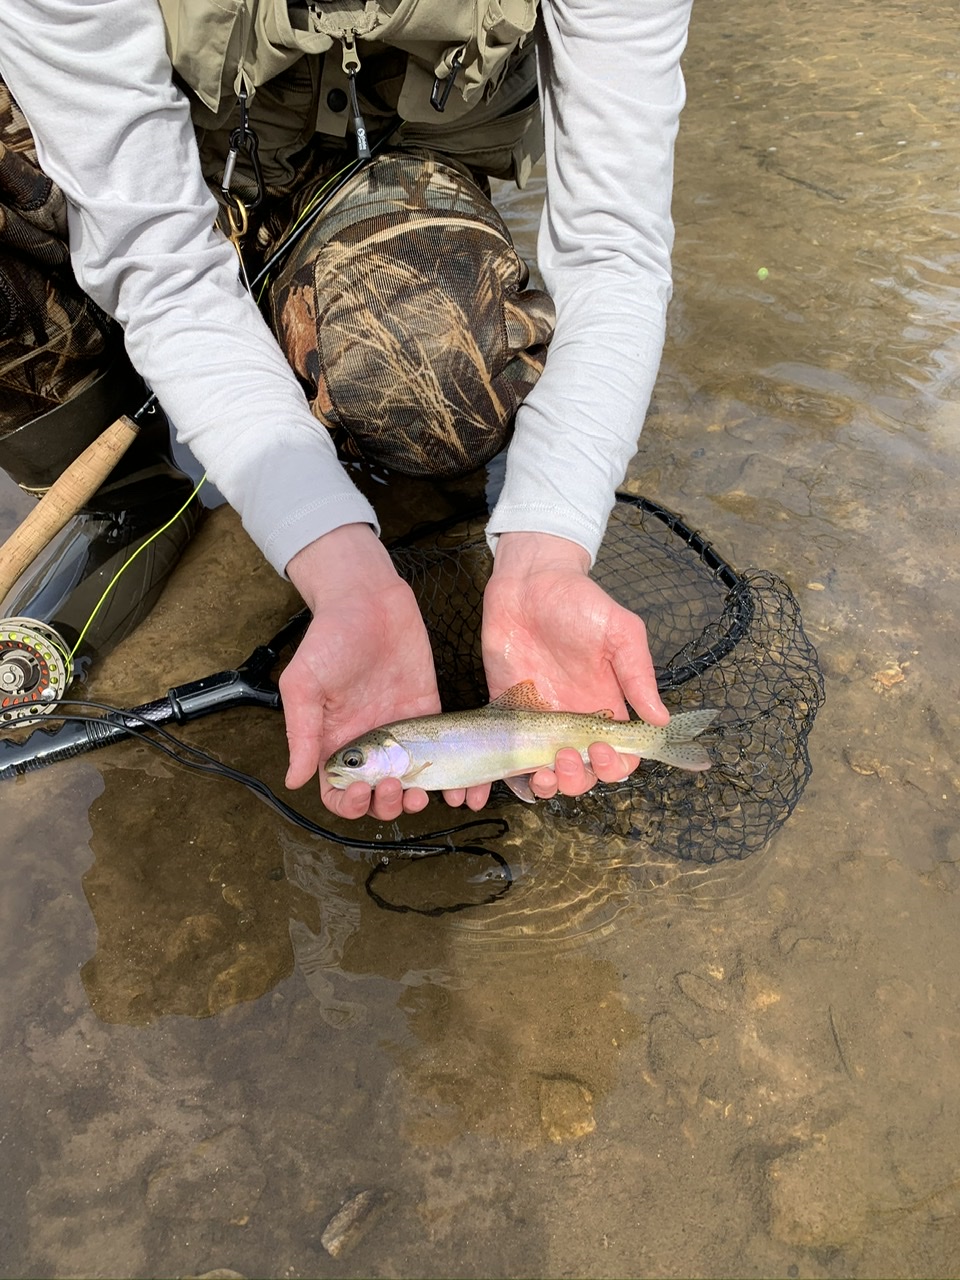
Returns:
(212,1037)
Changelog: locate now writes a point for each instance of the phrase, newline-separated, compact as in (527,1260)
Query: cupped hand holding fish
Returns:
(364,659)
(544,618)
(542,610)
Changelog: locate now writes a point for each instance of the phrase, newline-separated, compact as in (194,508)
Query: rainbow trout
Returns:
(508,739)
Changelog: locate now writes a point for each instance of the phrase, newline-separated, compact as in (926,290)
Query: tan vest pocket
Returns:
(198,41)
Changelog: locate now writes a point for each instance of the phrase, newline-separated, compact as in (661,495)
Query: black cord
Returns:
(301,228)
(205,762)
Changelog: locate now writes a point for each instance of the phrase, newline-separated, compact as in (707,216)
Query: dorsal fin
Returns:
(520,697)
(604,714)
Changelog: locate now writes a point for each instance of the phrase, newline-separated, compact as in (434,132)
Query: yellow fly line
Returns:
(127,563)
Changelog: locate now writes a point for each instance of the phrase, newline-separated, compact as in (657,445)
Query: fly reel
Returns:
(34,668)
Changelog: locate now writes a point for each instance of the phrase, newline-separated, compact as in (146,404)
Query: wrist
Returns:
(529,552)
(349,557)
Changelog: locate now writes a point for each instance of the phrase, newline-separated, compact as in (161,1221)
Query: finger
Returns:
(304,749)
(633,667)
(303,717)
(569,776)
(354,802)
(543,784)
(609,765)
(387,802)
(573,777)
(478,796)
(455,796)
(415,799)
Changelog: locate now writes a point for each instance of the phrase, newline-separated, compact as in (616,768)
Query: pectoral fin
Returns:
(519,784)
(408,778)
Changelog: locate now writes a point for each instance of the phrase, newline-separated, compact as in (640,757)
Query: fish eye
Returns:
(352,759)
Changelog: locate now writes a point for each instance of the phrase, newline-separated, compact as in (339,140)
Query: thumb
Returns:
(304,722)
(633,667)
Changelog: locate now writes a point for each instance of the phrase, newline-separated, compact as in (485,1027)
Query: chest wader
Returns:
(404,309)
(466,97)
(64,378)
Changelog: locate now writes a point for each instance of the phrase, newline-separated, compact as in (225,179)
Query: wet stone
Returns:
(675,1055)
(350,1223)
(819,1194)
(246,979)
(236,896)
(837,663)
(566,1109)
(893,674)
(759,993)
(193,935)
(703,993)
(864,763)
(218,1273)
(793,942)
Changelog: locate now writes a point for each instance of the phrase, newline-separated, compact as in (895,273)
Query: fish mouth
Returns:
(338,778)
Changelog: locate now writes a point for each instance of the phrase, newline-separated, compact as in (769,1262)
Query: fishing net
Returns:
(718,637)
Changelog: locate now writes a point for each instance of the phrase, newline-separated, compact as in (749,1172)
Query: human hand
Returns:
(365,660)
(546,620)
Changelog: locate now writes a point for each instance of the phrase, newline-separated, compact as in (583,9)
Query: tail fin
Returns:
(678,748)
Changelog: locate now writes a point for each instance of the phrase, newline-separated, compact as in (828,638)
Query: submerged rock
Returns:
(352,1221)
(566,1109)
(218,1273)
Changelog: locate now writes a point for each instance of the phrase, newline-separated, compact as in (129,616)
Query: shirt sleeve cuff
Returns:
(296,497)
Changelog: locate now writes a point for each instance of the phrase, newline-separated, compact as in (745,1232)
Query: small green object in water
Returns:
(762,273)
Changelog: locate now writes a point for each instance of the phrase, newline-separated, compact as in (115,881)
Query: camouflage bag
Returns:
(54,341)
(405,314)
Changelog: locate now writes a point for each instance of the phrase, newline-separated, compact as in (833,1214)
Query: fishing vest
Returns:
(294,62)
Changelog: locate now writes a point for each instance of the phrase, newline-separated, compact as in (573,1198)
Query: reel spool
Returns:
(34,668)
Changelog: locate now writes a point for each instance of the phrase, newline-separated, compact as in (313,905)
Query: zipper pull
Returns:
(351,65)
(441,88)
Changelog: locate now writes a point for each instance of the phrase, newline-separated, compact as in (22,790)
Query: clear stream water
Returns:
(211,1038)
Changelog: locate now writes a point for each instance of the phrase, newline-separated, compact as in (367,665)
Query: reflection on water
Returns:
(212,1035)
(196,930)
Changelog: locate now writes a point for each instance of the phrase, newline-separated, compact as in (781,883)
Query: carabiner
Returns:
(245,139)
(239,220)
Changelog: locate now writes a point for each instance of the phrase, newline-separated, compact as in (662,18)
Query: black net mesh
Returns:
(718,638)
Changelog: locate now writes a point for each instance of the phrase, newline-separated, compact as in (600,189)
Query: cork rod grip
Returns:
(76,486)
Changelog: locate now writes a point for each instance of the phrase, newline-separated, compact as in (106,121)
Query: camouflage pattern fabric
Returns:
(53,340)
(404,310)
(405,314)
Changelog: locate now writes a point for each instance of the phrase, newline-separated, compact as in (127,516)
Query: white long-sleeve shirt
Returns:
(94,80)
